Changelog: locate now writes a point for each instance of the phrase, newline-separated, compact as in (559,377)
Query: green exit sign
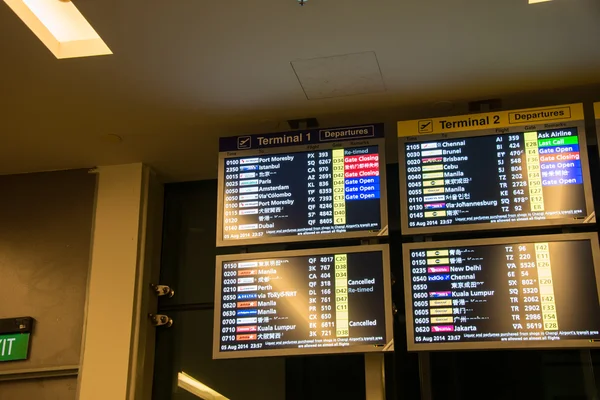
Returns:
(14,346)
(14,338)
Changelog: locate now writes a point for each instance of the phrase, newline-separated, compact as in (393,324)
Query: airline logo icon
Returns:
(249,288)
(442,320)
(243,313)
(249,182)
(433,175)
(247,272)
(246,204)
(246,296)
(249,336)
(246,304)
(241,329)
(428,153)
(428,183)
(440,294)
(248,175)
(429,199)
(433,214)
(433,190)
(433,145)
(435,206)
(442,328)
(245,280)
(440,311)
(246,321)
(249,168)
(435,167)
(440,303)
(246,161)
(432,160)
(438,253)
(251,211)
(437,270)
(247,227)
(248,264)
(249,189)
(442,277)
(437,261)
(249,196)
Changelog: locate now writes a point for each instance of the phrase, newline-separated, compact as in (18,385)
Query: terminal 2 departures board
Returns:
(302,302)
(518,292)
(302,185)
(501,170)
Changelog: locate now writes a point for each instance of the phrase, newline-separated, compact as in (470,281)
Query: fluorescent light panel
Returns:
(61,27)
(197,388)
(538,1)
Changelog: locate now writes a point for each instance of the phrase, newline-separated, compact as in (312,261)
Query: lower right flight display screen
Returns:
(519,292)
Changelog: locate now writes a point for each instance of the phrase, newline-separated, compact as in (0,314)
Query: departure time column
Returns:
(418,263)
(230,221)
(228,306)
(415,190)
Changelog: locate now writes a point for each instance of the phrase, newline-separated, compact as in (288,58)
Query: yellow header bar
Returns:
(597,110)
(499,119)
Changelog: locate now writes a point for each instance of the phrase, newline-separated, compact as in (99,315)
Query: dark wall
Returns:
(45,237)
(188,265)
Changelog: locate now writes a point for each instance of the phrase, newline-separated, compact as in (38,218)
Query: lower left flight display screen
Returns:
(303,302)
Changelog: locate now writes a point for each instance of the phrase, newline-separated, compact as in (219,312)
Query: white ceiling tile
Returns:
(338,76)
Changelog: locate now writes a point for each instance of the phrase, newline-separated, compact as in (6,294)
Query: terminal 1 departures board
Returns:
(322,301)
(519,292)
(302,185)
(514,169)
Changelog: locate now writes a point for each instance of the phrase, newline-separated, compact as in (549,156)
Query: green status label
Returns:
(563,141)
(14,346)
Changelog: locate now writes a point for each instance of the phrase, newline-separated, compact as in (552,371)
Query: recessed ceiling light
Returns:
(61,27)
(538,1)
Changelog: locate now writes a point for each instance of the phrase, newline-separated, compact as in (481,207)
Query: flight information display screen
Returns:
(275,195)
(521,178)
(539,291)
(303,302)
